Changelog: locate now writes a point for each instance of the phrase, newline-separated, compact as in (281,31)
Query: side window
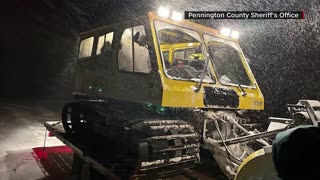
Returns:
(104,44)
(132,57)
(141,57)
(86,48)
(125,58)
(165,55)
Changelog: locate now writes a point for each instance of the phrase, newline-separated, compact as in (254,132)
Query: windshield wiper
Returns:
(244,93)
(203,74)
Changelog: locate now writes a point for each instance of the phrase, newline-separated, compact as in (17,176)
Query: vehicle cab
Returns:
(164,60)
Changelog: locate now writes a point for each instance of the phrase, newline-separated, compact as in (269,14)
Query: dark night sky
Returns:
(39,42)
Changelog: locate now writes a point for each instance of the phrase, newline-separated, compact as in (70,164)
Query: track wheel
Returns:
(71,118)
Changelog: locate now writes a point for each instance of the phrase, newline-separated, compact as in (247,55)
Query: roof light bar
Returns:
(234,34)
(163,12)
(176,16)
(225,31)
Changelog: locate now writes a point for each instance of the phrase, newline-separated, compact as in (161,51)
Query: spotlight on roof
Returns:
(176,16)
(163,12)
(234,34)
(225,31)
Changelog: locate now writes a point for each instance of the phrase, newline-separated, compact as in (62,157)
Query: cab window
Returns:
(104,44)
(165,56)
(166,59)
(184,65)
(188,53)
(178,55)
(183,54)
(85,49)
(227,60)
(133,57)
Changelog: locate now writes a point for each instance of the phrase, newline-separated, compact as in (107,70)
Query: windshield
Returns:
(227,61)
(181,52)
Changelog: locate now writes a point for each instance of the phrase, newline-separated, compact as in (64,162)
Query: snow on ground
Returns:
(21,130)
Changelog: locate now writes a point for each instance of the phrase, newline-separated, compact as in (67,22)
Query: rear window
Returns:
(183,54)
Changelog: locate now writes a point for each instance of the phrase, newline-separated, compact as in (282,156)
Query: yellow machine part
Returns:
(180,93)
(257,166)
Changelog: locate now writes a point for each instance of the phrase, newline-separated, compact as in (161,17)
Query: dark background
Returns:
(39,44)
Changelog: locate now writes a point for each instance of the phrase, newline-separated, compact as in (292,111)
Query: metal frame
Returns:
(55,127)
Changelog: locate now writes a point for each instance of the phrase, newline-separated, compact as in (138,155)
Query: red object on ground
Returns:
(50,134)
(55,162)
(43,153)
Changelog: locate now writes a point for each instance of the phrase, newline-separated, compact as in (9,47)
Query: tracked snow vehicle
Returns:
(157,87)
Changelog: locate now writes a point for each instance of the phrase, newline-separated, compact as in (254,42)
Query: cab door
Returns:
(137,78)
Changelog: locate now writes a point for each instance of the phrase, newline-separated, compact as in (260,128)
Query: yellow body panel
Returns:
(180,93)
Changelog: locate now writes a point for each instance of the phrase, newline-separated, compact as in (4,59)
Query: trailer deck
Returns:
(92,158)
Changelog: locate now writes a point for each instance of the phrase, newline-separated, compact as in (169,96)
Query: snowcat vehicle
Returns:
(143,86)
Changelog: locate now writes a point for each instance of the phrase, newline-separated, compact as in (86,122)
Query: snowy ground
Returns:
(21,132)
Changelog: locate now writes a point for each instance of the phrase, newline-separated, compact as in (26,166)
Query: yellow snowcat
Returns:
(158,88)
